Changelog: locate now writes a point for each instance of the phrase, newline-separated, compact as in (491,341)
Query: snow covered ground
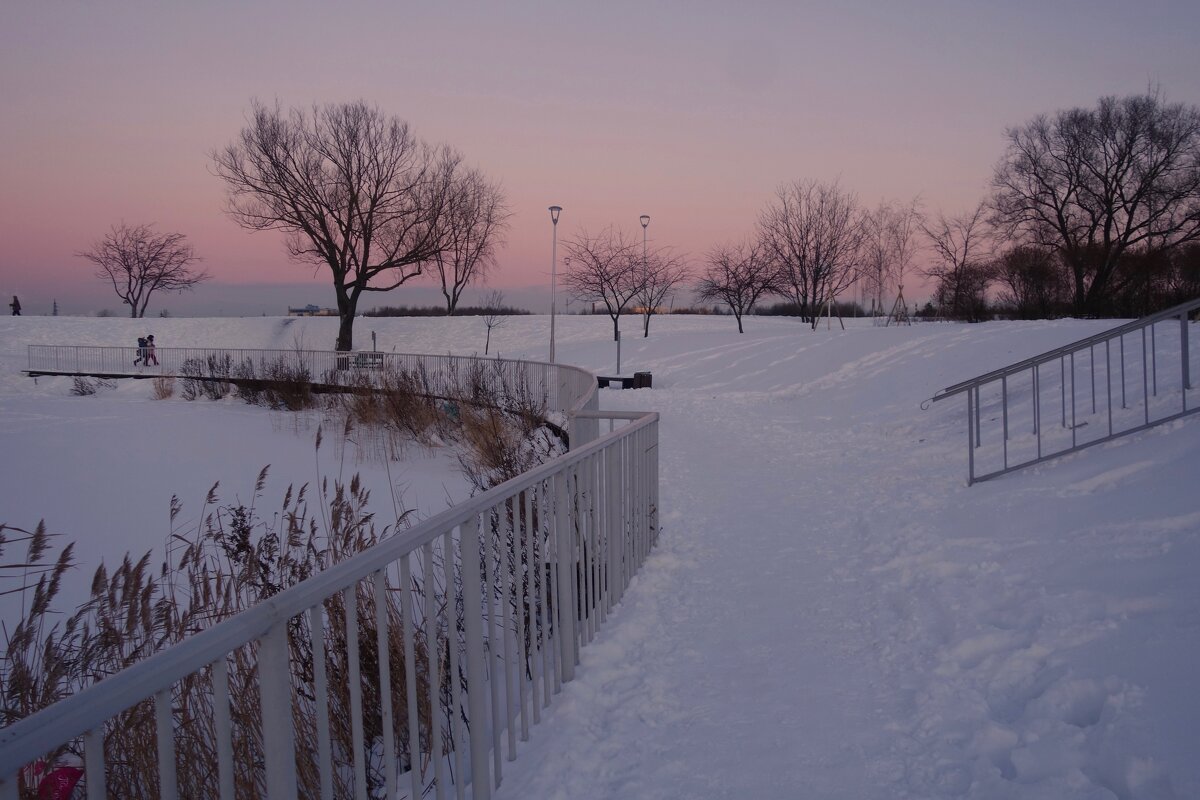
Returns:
(831,611)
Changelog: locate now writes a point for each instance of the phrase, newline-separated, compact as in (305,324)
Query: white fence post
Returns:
(275,684)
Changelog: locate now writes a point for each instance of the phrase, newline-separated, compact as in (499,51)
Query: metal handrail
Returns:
(572,388)
(69,718)
(1110,406)
(597,509)
(1074,347)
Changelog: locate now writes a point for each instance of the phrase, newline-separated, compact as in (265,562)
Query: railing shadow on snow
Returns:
(552,551)
(1133,377)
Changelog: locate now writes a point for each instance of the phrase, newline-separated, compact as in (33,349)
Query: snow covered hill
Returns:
(831,611)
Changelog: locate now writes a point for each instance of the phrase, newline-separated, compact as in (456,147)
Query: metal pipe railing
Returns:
(535,565)
(564,388)
(1166,395)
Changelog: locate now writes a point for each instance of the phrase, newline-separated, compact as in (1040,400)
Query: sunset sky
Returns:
(690,112)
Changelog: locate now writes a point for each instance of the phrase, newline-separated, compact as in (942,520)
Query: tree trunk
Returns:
(346,306)
(616,329)
(739,321)
(646,327)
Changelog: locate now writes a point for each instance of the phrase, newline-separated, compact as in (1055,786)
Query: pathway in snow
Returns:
(832,613)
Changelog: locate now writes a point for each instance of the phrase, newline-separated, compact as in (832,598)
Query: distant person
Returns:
(141,351)
(15,305)
(150,357)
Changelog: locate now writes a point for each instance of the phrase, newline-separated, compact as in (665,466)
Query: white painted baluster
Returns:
(275,687)
(354,676)
(453,639)
(433,647)
(223,727)
(473,634)
(410,678)
(164,725)
(93,764)
(391,781)
(316,626)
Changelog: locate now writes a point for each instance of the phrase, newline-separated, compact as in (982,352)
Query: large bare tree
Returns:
(475,221)
(606,268)
(353,189)
(139,262)
(663,271)
(814,233)
(962,267)
(1095,184)
(737,275)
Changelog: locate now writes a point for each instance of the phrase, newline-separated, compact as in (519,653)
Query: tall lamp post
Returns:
(554,212)
(645,220)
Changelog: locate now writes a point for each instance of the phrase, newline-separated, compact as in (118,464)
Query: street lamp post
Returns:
(554,212)
(645,220)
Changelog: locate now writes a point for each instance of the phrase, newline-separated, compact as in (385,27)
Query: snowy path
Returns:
(832,613)
(737,667)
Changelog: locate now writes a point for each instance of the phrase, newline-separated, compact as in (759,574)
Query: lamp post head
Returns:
(645,220)
(554,212)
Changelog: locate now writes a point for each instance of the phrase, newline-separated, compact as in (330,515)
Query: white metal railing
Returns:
(562,387)
(499,593)
(1115,383)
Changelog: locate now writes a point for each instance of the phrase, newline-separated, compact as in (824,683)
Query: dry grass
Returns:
(233,561)
(163,388)
(237,557)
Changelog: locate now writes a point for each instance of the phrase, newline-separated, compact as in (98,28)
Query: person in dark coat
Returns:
(15,305)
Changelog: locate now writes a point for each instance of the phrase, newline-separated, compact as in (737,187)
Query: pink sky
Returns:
(689,112)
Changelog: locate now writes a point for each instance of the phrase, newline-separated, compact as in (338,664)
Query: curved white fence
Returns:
(478,615)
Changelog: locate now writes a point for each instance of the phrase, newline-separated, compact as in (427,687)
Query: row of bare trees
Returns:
(614,270)
(1092,210)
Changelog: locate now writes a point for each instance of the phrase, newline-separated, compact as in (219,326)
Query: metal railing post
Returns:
(165,735)
(565,600)
(473,604)
(1183,350)
(275,686)
(1004,411)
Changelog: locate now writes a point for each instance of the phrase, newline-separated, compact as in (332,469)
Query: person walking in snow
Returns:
(150,357)
(15,305)
(141,351)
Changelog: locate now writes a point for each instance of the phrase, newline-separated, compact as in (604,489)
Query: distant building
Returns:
(312,311)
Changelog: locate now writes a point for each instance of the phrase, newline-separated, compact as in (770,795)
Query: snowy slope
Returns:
(831,611)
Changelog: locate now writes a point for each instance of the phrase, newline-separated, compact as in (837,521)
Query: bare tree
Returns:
(814,233)
(139,262)
(663,272)
(963,268)
(737,275)
(475,222)
(889,244)
(607,269)
(353,189)
(1034,283)
(493,314)
(1094,184)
